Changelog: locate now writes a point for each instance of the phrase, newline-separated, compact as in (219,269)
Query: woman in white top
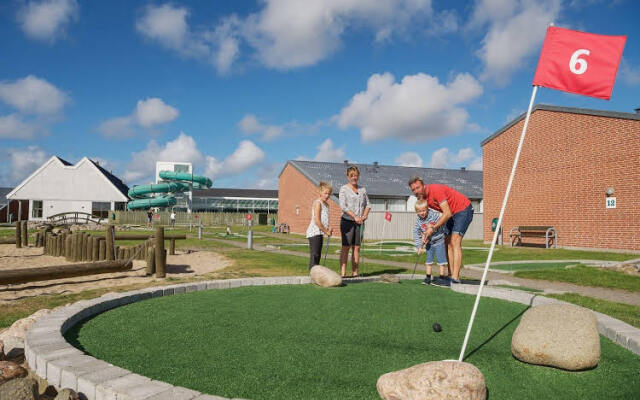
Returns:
(354,203)
(319,224)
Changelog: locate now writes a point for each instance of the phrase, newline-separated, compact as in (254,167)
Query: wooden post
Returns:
(78,256)
(95,256)
(109,245)
(102,252)
(37,239)
(151,262)
(84,246)
(67,247)
(18,234)
(25,234)
(172,247)
(160,253)
(90,248)
(120,252)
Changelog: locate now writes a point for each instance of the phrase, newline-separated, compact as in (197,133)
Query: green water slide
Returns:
(146,196)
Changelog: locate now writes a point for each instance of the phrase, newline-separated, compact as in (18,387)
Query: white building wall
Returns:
(64,188)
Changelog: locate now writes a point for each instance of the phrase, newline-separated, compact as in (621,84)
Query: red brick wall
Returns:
(567,163)
(295,190)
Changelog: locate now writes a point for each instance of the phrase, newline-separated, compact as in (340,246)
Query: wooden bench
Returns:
(549,234)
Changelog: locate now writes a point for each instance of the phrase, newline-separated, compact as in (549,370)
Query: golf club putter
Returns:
(324,262)
(416,264)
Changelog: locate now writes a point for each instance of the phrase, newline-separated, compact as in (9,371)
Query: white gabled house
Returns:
(59,186)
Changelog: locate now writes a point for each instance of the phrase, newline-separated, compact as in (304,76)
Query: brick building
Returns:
(570,159)
(387,188)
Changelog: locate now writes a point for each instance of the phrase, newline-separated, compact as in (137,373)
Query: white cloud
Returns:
(154,111)
(417,108)
(47,20)
(147,114)
(167,24)
(516,31)
(476,164)
(327,152)
(13,127)
(291,33)
(142,166)
(143,163)
(32,95)
(629,73)
(268,176)
(245,156)
(444,158)
(440,158)
(288,34)
(20,163)
(409,159)
(250,124)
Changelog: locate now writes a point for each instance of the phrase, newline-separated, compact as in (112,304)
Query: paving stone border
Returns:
(64,366)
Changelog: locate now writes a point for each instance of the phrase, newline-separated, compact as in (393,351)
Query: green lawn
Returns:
(586,276)
(305,342)
(624,312)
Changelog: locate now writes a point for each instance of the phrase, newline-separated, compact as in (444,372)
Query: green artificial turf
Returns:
(306,342)
(587,276)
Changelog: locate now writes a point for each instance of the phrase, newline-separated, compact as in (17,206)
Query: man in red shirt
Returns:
(457,214)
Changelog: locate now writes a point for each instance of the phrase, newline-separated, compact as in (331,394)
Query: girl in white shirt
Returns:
(319,223)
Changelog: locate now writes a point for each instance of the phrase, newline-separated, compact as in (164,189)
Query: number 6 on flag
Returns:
(579,62)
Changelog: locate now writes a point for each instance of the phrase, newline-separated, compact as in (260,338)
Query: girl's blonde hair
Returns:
(324,185)
(351,169)
(422,203)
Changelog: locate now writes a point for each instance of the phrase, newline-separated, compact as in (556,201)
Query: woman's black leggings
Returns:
(315,250)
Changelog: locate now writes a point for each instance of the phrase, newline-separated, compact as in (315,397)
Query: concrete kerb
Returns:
(62,365)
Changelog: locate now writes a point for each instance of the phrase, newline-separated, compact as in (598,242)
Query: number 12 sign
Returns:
(611,202)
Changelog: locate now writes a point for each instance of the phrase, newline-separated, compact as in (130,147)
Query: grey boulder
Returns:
(557,335)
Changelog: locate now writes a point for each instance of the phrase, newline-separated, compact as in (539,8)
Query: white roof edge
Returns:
(34,173)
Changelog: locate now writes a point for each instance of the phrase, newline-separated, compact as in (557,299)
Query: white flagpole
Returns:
(495,235)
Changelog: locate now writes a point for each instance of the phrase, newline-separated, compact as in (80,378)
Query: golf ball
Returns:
(437,327)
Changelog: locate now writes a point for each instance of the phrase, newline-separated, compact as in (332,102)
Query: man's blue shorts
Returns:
(460,221)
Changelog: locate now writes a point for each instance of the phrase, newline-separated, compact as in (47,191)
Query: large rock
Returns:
(434,380)
(323,276)
(19,389)
(67,394)
(10,370)
(13,337)
(389,278)
(558,335)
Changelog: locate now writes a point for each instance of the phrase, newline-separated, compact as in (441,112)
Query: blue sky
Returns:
(239,87)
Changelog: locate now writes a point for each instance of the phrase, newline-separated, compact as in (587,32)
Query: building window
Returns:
(377,204)
(36,211)
(396,205)
(180,168)
(120,205)
(100,209)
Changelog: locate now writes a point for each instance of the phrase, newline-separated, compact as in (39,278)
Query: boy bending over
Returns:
(435,245)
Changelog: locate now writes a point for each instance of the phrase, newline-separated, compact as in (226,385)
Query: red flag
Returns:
(579,62)
(387,216)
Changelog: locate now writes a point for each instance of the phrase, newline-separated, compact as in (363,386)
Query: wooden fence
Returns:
(188,219)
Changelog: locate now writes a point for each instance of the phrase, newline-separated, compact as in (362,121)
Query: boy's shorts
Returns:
(460,221)
(438,250)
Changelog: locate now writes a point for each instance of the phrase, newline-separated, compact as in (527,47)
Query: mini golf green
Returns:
(306,342)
